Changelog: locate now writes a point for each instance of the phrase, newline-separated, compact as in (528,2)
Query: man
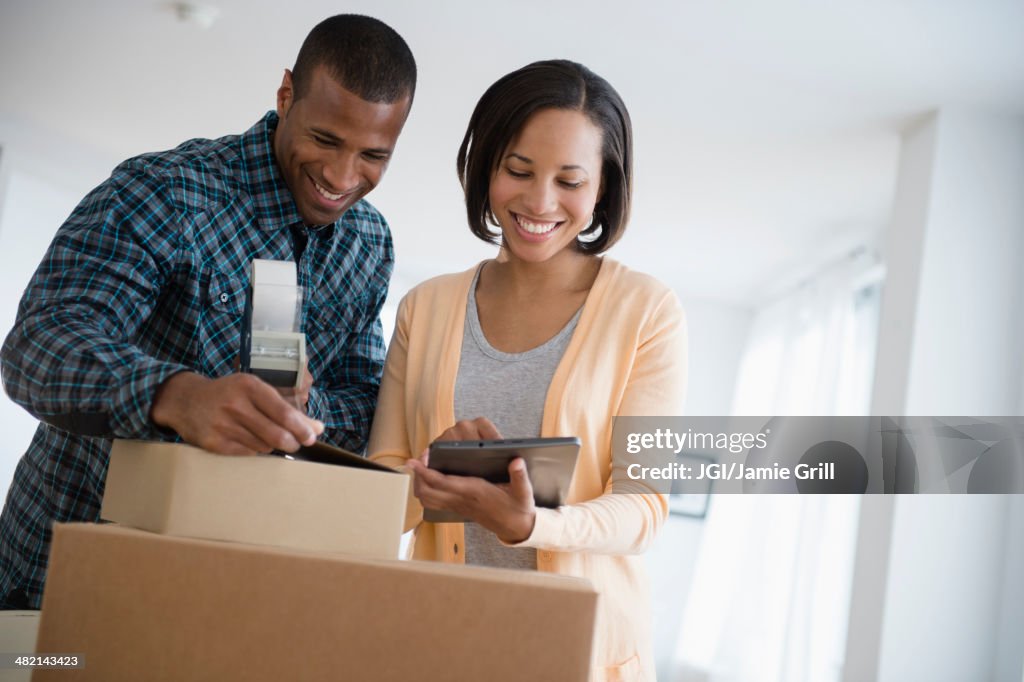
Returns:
(130,328)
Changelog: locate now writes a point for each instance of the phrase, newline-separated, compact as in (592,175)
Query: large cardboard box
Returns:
(140,606)
(181,490)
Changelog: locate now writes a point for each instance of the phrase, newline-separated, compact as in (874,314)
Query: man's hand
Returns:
(298,396)
(238,414)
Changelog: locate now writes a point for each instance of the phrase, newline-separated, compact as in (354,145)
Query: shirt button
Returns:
(223,298)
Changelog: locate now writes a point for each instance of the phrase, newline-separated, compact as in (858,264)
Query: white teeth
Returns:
(332,197)
(535,228)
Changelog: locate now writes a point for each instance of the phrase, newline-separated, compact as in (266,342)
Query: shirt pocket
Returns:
(331,324)
(336,314)
(219,336)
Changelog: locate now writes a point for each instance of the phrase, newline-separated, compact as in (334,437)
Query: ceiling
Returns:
(767,133)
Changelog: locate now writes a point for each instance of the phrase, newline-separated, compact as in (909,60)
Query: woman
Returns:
(550,339)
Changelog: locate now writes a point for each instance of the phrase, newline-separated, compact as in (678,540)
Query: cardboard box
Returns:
(181,490)
(140,606)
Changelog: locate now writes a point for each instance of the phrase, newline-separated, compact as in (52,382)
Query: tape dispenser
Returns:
(273,348)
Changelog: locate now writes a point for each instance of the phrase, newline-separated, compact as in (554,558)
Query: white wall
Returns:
(944,589)
(966,354)
(934,603)
(902,253)
(1009,648)
(717,335)
(953,305)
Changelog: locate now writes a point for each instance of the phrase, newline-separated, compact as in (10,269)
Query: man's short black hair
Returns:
(503,111)
(364,55)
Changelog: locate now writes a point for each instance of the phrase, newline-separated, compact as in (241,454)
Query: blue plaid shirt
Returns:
(148,277)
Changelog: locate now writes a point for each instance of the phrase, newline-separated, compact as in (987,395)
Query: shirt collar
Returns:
(275,207)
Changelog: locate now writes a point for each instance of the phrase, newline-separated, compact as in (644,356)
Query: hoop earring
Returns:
(595,232)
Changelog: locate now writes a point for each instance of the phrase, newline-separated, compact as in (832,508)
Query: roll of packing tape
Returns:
(276,298)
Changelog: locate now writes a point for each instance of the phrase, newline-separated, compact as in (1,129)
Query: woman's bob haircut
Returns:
(503,111)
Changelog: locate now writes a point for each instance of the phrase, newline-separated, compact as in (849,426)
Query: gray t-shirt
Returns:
(509,389)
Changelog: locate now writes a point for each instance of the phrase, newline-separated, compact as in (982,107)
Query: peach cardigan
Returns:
(626,357)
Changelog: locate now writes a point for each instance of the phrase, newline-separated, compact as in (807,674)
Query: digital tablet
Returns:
(550,463)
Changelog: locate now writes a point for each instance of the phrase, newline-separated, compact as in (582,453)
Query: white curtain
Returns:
(770,597)
(812,351)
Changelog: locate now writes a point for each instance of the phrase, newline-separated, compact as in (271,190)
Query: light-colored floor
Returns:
(18,630)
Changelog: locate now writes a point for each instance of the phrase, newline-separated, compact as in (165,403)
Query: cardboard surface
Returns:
(141,606)
(180,490)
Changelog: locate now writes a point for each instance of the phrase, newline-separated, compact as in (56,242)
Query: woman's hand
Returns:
(507,510)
